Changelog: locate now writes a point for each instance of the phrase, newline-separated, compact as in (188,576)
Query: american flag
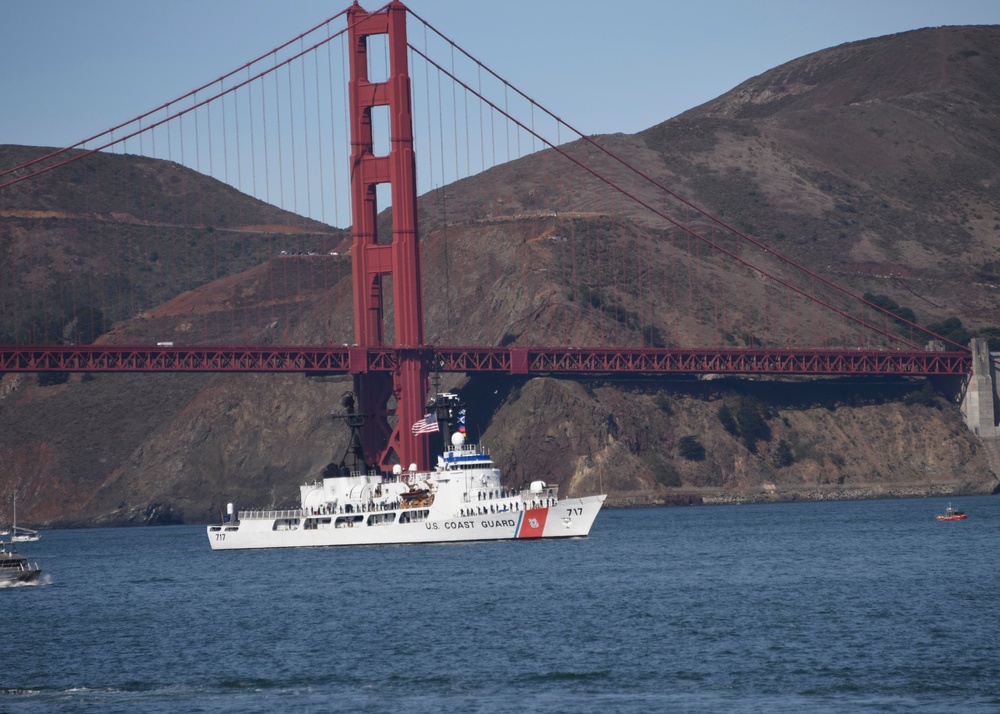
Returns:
(426,425)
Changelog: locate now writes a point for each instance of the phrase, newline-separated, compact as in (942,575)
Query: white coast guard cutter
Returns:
(461,500)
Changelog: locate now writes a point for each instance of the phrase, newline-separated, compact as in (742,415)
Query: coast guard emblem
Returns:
(532,523)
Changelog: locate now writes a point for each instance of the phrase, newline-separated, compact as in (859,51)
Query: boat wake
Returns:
(42,580)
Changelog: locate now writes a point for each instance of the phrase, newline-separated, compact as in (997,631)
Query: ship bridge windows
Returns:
(470,466)
(381,519)
(314,523)
(414,516)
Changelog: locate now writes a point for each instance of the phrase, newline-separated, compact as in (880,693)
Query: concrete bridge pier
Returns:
(980,397)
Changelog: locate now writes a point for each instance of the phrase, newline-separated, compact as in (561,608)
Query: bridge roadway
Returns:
(504,360)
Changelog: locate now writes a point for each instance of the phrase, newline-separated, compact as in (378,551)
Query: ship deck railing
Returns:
(19,566)
(548,492)
(250,514)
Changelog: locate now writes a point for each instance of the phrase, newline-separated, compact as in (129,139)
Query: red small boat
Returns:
(950,514)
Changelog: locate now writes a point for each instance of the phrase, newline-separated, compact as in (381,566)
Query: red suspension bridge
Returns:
(554,245)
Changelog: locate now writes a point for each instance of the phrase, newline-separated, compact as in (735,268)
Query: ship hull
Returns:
(569,518)
(22,576)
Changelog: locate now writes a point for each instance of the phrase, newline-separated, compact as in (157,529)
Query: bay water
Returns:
(867,606)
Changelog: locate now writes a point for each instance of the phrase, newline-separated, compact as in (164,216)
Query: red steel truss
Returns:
(505,360)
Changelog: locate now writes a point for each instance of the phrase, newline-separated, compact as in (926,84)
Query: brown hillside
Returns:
(125,233)
(876,163)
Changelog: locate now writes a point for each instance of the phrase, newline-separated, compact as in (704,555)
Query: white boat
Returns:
(21,535)
(15,568)
(24,535)
(461,500)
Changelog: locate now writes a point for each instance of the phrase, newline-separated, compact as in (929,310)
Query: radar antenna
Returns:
(354,456)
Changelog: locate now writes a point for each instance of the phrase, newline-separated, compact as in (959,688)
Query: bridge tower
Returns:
(373,261)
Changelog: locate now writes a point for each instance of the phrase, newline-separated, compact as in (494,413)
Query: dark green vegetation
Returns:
(950,328)
(746,417)
(690,448)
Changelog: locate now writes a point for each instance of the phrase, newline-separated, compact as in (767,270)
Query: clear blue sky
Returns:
(71,69)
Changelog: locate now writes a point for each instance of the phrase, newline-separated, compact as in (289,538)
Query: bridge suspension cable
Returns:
(683,225)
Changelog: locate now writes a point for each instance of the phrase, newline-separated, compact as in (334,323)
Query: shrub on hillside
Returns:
(727,420)
(690,448)
(783,455)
